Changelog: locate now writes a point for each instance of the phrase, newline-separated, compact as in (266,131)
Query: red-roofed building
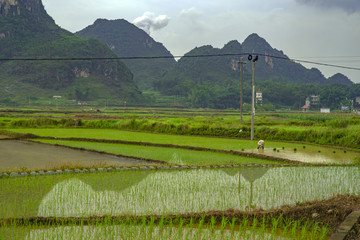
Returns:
(259,98)
(305,108)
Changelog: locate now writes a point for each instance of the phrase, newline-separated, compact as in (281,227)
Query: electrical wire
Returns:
(178,57)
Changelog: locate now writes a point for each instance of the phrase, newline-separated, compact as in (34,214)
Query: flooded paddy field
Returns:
(311,154)
(301,152)
(30,155)
(206,194)
(143,192)
(314,194)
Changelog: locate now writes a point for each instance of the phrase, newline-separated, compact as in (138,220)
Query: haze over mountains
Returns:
(27,31)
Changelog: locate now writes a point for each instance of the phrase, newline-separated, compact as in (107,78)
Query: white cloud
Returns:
(149,21)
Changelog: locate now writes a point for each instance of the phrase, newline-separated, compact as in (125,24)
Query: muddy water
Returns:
(18,154)
(311,155)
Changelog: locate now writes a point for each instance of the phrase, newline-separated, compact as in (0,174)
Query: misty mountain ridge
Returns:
(223,71)
(27,31)
(127,40)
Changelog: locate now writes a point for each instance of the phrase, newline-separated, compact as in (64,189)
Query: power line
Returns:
(178,57)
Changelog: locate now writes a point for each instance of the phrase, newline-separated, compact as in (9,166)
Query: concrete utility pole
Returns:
(253,95)
(241,92)
(253,102)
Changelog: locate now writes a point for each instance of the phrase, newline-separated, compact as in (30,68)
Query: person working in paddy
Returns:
(261,144)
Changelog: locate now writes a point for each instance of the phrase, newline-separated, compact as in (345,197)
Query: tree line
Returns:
(275,95)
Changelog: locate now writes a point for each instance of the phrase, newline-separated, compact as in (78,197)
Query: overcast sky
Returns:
(324,31)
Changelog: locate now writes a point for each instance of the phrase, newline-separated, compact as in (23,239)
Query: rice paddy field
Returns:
(301,186)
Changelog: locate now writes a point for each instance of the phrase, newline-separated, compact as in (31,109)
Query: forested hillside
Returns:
(27,31)
(215,81)
(127,40)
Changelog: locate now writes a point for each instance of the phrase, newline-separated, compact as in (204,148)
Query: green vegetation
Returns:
(340,130)
(159,192)
(181,140)
(210,202)
(137,193)
(33,34)
(170,228)
(170,155)
(214,82)
(126,40)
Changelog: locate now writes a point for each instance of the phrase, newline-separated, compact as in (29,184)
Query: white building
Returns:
(325,110)
(259,98)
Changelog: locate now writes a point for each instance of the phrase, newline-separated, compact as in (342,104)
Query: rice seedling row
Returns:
(168,228)
(172,192)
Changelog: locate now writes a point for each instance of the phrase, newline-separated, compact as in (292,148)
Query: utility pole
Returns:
(241,91)
(253,102)
(253,95)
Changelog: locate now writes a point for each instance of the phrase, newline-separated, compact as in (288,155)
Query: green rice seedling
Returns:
(334,151)
(161,223)
(180,227)
(295,149)
(294,228)
(199,229)
(223,224)
(274,149)
(287,223)
(212,223)
(324,232)
(169,227)
(243,225)
(304,230)
(274,224)
(232,225)
(314,231)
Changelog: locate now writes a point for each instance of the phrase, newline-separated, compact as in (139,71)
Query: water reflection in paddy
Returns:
(173,192)
(311,154)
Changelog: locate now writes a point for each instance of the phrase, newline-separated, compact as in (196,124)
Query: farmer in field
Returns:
(261,144)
